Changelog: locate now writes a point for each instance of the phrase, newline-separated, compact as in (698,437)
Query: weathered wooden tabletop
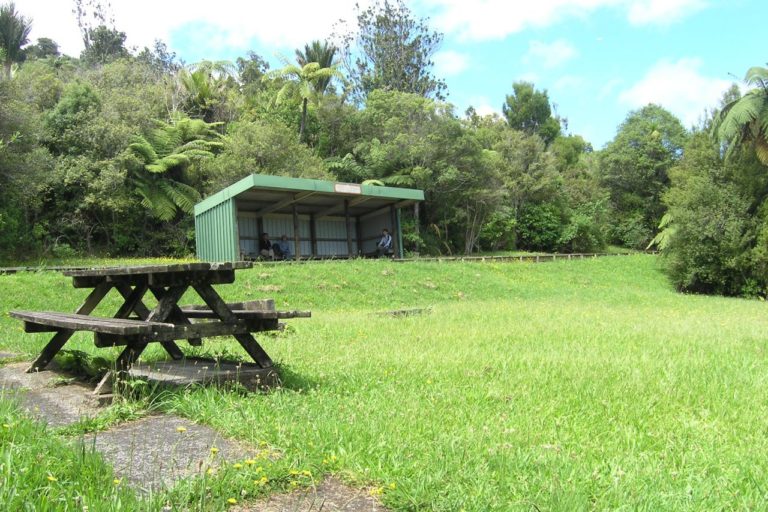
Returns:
(157,269)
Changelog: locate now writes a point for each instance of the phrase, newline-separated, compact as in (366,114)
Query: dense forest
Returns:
(106,154)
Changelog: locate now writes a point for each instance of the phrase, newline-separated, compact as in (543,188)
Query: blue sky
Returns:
(598,59)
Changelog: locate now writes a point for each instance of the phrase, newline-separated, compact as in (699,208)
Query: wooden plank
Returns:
(77,322)
(157,269)
(250,305)
(239,313)
(181,332)
(157,279)
(60,338)
(188,278)
(248,315)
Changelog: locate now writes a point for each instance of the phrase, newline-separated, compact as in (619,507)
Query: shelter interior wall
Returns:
(330,232)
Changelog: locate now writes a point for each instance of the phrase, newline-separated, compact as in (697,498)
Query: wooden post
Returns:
(399,231)
(348,219)
(393,229)
(313,234)
(296,234)
(359,232)
(416,219)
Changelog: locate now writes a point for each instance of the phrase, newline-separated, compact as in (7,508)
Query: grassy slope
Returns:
(567,385)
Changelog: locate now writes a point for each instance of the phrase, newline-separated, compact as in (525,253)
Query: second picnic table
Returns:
(134,325)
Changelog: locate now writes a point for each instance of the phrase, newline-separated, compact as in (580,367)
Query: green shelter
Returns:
(322,219)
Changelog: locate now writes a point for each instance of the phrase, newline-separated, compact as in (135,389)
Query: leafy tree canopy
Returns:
(528,110)
(392,51)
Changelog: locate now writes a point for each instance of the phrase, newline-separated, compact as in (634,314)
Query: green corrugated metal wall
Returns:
(216,231)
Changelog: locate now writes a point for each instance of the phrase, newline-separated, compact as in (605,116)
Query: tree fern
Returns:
(162,159)
(745,120)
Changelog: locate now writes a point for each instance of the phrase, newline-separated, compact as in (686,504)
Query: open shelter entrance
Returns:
(322,219)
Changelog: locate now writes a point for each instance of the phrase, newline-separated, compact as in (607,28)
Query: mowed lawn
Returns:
(581,385)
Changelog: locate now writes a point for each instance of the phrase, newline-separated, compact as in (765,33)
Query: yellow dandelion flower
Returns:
(393,485)
(333,457)
(181,430)
(209,471)
(259,469)
(306,473)
(232,501)
(293,472)
(250,462)
(294,483)
(325,461)
(52,478)
(376,491)
(116,481)
(237,466)
(214,450)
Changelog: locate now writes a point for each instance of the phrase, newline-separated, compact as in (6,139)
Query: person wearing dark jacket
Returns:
(265,246)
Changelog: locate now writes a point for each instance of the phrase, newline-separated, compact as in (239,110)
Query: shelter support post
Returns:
(359,231)
(313,234)
(394,229)
(296,237)
(416,224)
(399,231)
(348,220)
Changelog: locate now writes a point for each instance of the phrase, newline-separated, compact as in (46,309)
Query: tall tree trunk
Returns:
(303,120)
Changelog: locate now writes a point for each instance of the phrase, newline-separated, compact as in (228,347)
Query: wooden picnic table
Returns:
(134,325)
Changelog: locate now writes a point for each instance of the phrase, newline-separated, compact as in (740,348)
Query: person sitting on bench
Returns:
(384,246)
(282,248)
(265,247)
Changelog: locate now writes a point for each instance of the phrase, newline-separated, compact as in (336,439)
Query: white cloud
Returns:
(664,12)
(608,88)
(224,23)
(528,77)
(482,20)
(448,63)
(483,106)
(549,55)
(677,86)
(569,83)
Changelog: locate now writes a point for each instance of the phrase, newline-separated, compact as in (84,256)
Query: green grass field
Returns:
(582,385)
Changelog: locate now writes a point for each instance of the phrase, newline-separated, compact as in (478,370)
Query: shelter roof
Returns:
(264,194)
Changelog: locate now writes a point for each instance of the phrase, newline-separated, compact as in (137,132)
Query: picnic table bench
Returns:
(134,325)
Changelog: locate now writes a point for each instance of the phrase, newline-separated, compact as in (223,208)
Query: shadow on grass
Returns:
(295,381)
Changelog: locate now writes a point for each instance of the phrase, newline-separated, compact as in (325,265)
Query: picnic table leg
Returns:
(167,300)
(128,356)
(177,316)
(133,302)
(62,336)
(246,340)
